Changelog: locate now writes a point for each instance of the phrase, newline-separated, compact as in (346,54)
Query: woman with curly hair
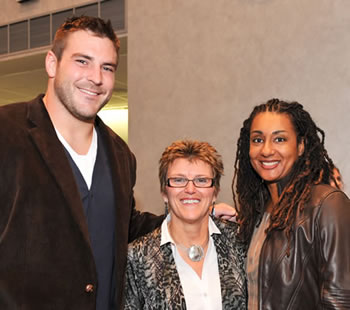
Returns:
(297,225)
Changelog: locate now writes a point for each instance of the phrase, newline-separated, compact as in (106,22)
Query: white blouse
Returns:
(200,293)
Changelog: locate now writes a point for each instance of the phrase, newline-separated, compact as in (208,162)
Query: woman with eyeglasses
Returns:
(193,261)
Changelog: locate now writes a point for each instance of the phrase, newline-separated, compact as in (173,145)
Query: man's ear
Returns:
(51,63)
(301,147)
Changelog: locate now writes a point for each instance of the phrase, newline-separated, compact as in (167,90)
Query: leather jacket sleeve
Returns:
(334,250)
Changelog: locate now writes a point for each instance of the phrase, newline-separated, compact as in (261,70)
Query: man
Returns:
(66,183)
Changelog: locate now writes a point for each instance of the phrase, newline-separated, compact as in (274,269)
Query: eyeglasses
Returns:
(197,182)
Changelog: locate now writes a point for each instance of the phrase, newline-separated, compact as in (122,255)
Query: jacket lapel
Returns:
(224,271)
(170,280)
(230,275)
(45,139)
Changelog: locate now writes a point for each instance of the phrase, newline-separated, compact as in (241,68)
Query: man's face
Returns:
(84,77)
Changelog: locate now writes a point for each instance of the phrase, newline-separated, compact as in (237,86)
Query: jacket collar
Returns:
(281,184)
(44,137)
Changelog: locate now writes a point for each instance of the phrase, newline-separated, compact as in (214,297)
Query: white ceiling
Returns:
(23,76)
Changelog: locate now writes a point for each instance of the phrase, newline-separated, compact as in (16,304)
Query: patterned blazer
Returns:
(154,283)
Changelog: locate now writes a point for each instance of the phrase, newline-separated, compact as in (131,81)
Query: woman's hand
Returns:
(224,211)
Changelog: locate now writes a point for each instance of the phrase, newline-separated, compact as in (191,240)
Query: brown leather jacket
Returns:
(316,274)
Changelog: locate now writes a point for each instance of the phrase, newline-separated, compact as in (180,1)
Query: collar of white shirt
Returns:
(165,236)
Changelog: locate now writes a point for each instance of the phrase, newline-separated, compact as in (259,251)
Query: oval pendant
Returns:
(195,253)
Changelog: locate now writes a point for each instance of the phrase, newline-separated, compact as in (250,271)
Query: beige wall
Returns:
(197,67)
(21,11)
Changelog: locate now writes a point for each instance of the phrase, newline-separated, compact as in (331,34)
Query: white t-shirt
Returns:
(85,163)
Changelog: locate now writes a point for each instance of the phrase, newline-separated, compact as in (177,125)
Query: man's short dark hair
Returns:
(96,25)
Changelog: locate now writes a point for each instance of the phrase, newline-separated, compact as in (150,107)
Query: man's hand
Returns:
(224,211)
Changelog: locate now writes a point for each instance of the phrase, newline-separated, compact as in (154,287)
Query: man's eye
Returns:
(82,61)
(109,69)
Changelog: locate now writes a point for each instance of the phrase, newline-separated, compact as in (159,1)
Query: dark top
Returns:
(98,205)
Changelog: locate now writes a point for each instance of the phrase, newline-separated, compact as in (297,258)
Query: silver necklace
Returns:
(195,252)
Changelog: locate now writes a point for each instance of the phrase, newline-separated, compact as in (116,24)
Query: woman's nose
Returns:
(190,187)
(267,149)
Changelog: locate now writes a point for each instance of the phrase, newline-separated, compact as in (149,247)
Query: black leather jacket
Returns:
(316,274)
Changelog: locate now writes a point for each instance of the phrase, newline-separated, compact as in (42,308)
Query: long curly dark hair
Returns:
(314,166)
